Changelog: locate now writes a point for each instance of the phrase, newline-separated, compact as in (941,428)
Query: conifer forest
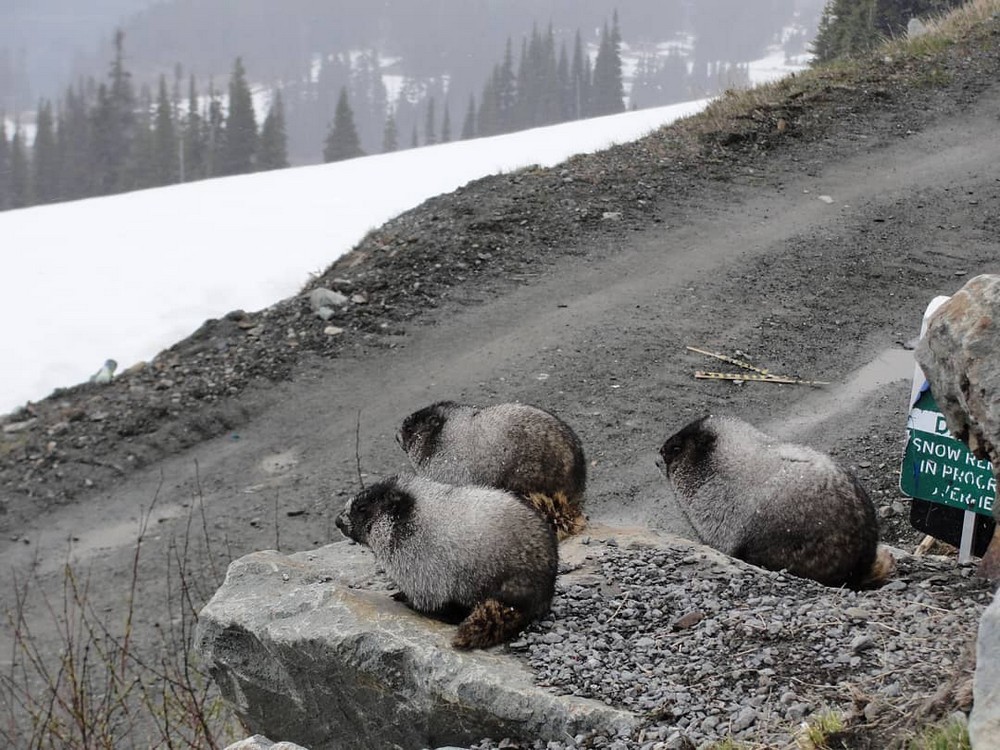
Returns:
(157,105)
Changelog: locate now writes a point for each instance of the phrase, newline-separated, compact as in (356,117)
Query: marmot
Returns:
(514,447)
(476,550)
(772,504)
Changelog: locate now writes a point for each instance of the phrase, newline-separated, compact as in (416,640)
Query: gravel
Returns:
(767,650)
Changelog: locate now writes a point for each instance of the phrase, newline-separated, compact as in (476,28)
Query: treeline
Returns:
(103,138)
(852,27)
(545,88)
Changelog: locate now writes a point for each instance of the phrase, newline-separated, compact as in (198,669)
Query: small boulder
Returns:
(323,301)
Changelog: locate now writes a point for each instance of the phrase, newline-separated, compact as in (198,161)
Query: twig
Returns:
(357,449)
(277,532)
(204,521)
(622,604)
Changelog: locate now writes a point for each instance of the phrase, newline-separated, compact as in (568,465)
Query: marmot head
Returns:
(690,445)
(418,435)
(382,500)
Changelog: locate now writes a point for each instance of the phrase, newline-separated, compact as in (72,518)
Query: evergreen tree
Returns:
(505,92)
(342,140)
(446,124)
(580,80)
(414,143)
(608,90)
(430,135)
(4,165)
(193,141)
(273,140)
(369,97)
(20,186)
(165,157)
(564,84)
(215,134)
(390,138)
(488,118)
(469,123)
(76,176)
(141,172)
(239,147)
(45,157)
(113,126)
(852,27)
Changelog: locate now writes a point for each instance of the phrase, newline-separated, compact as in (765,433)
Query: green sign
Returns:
(940,469)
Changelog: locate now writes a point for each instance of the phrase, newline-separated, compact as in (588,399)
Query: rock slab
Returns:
(984,721)
(960,355)
(311,648)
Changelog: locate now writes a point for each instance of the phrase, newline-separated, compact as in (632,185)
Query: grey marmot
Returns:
(478,551)
(516,447)
(773,504)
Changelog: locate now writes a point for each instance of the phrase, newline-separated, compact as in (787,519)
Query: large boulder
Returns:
(960,355)
(984,721)
(311,648)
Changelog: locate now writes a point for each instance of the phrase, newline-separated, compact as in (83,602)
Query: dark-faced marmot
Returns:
(772,504)
(514,447)
(478,550)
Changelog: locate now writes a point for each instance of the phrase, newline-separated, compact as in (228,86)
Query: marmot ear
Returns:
(703,442)
(397,503)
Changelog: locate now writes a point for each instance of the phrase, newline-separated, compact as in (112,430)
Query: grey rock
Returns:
(323,301)
(984,721)
(743,719)
(312,647)
(960,355)
(260,742)
(915,28)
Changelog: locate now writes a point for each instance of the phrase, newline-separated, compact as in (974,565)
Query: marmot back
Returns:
(515,447)
(772,504)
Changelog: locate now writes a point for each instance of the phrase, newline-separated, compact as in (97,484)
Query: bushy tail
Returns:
(564,514)
(488,624)
(881,570)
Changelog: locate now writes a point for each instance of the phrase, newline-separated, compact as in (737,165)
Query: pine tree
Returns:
(273,139)
(193,140)
(430,135)
(113,126)
(45,157)
(4,165)
(564,84)
(141,168)
(446,124)
(20,186)
(608,90)
(469,123)
(505,90)
(414,142)
(488,118)
(215,134)
(239,147)
(75,147)
(342,140)
(165,167)
(390,137)
(580,79)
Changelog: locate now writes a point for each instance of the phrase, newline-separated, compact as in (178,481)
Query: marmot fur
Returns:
(772,504)
(476,550)
(515,447)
